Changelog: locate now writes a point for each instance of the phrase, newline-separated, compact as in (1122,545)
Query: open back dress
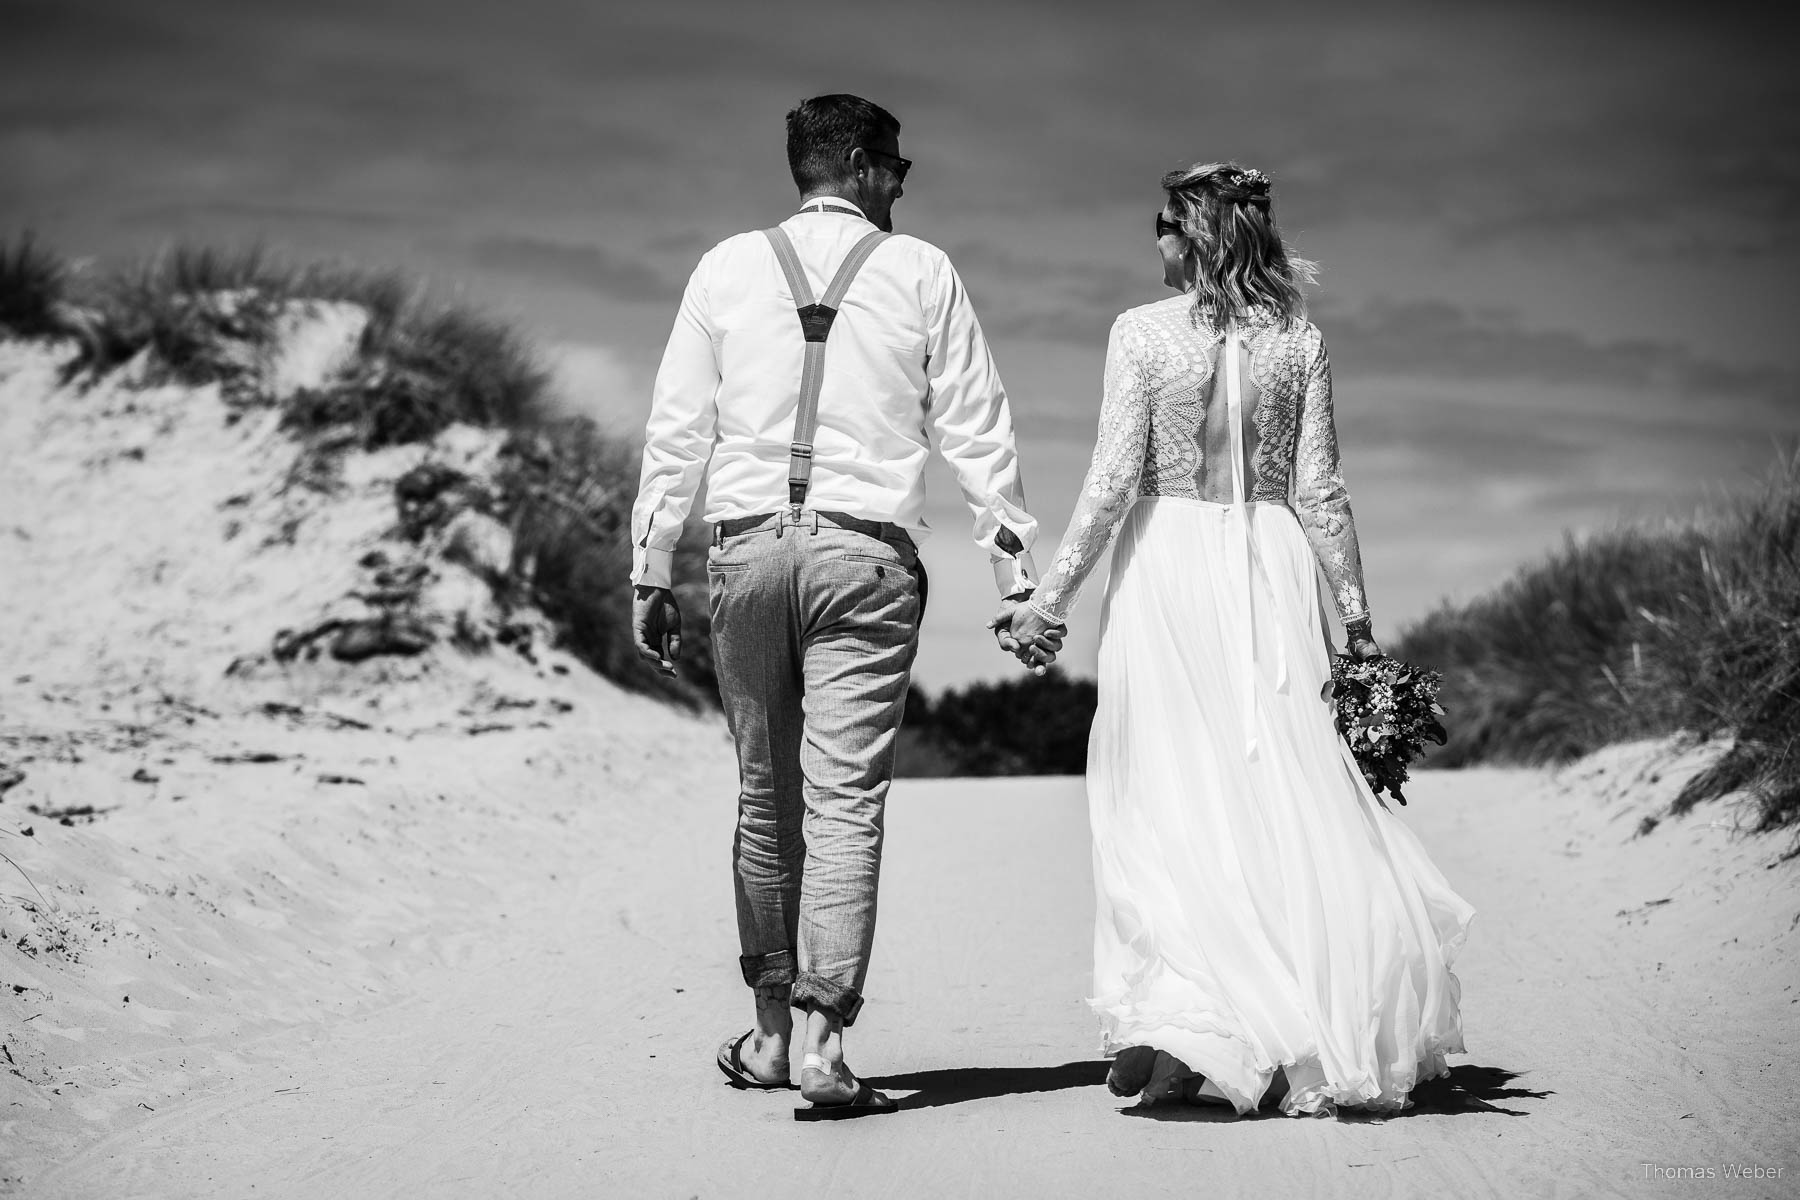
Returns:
(1258,908)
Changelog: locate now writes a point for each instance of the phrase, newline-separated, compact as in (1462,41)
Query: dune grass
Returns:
(1637,632)
(423,365)
(199,315)
(570,489)
(196,316)
(33,281)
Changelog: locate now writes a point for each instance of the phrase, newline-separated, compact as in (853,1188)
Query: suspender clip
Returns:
(815,322)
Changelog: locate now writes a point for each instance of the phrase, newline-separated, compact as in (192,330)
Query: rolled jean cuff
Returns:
(814,991)
(768,970)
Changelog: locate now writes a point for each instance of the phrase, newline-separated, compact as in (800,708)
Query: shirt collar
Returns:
(833,202)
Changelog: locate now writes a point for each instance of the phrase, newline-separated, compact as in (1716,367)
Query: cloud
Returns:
(1496,133)
(1435,338)
(587,266)
(1463,440)
(1046,298)
(1494,125)
(1073,302)
(267,214)
(598,381)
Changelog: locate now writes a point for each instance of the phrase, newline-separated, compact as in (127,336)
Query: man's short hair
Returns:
(822,131)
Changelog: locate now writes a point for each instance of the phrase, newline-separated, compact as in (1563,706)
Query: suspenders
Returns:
(815,327)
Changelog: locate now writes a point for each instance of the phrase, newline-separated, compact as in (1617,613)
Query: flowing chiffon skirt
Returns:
(1257,909)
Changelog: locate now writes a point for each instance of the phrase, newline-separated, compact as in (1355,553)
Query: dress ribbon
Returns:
(1253,559)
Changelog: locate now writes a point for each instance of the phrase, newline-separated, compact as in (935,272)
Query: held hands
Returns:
(1023,633)
(656,627)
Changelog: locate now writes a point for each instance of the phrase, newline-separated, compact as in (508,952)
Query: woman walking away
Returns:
(1266,928)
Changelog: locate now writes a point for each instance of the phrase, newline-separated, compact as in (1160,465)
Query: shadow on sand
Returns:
(957,1085)
(1467,1089)
(1471,1089)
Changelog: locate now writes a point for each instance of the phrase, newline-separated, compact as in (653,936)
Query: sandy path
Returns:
(559,1044)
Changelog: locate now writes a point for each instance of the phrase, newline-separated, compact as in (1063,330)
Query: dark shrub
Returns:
(32,285)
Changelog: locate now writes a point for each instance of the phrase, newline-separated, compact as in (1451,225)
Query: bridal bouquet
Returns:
(1387,711)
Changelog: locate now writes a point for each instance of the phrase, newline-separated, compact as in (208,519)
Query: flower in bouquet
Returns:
(1386,711)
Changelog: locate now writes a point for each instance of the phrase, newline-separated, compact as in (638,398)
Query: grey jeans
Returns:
(814,631)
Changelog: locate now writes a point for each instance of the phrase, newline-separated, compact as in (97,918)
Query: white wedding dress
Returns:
(1258,908)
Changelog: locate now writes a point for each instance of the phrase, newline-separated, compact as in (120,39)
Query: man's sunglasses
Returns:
(901,165)
(1164,227)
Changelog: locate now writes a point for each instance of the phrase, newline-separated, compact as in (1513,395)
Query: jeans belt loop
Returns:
(815,522)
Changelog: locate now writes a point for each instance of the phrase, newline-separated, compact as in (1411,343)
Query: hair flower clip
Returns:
(1250,178)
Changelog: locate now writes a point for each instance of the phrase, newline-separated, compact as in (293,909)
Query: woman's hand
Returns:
(1360,641)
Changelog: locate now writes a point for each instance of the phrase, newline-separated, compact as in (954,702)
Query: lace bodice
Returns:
(1162,433)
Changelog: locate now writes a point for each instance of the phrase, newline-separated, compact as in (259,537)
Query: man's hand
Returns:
(656,627)
(1001,624)
(1023,632)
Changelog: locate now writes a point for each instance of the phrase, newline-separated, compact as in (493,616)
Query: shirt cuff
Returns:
(1015,574)
(655,568)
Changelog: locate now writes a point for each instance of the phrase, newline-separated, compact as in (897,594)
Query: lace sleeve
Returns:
(1112,478)
(1320,498)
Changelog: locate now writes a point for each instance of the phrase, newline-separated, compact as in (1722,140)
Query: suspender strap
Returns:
(859,254)
(815,327)
(790,266)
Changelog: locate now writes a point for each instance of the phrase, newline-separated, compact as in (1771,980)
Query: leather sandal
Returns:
(816,1074)
(731,1061)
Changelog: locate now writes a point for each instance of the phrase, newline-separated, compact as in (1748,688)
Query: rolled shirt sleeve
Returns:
(973,423)
(678,438)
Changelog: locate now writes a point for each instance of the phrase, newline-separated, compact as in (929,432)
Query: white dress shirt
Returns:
(905,356)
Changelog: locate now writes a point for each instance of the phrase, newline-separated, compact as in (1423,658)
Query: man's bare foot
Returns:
(1131,1070)
(826,1083)
(765,1052)
(834,1094)
(824,1079)
(766,1057)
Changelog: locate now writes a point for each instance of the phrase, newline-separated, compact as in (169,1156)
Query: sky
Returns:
(1559,241)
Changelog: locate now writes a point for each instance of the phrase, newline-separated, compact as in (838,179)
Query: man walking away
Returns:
(808,367)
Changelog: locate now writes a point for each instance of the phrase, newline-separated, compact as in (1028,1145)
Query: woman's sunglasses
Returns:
(1164,227)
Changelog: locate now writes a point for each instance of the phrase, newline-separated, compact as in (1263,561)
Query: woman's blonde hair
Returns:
(1240,261)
